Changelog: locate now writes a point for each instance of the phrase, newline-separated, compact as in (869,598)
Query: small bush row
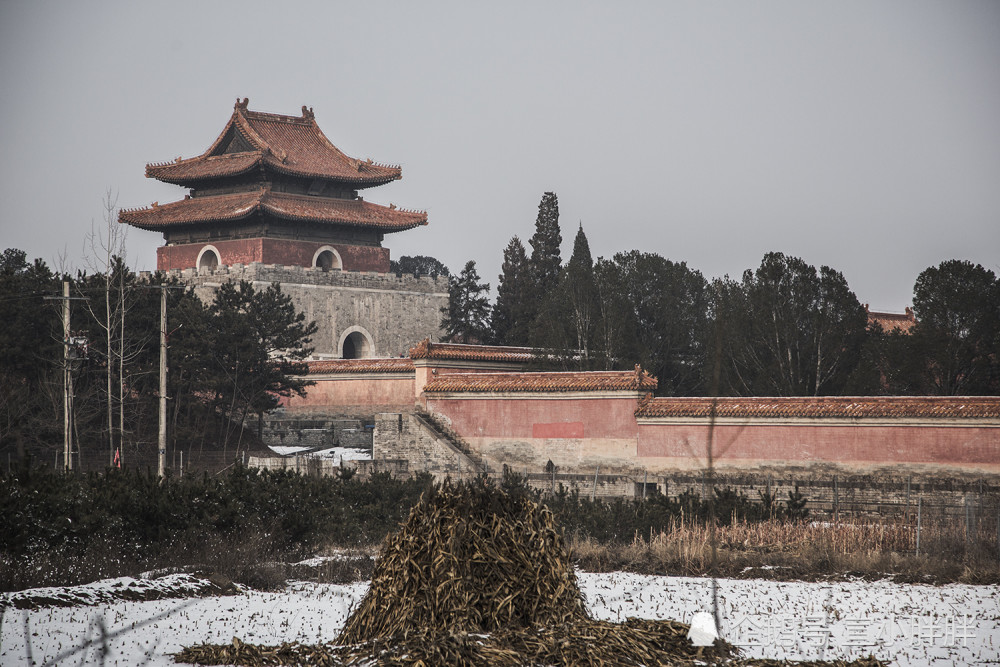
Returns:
(71,528)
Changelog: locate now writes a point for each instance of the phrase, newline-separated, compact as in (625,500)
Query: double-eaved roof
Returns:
(252,148)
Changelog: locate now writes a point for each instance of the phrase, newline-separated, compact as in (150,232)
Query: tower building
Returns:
(273,200)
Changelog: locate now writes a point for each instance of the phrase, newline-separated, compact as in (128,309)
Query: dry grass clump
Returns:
(857,547)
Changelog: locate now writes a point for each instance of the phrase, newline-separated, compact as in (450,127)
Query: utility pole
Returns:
(162,440)
(161,469)
(67,385)
(67,375)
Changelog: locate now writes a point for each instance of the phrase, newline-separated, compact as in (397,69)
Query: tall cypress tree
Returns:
(565,323)
(510,321)
(545,265)
(545,258)
(579,291)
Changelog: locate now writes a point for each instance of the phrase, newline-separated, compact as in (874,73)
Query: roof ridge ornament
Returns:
(307,112)
(421,350)
(243,104)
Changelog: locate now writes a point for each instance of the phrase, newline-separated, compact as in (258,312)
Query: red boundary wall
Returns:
(589,428)
(852,444)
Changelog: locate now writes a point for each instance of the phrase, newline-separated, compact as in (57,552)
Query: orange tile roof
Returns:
(241,205)
(637,380)
(336,366)
(847,407)
(425,349)
(890,321)
(291,145)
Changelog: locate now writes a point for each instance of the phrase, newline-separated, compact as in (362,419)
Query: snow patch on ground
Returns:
(911,624)
(344,454)
(332,453)
(335,556)
(111,590)
(286,450)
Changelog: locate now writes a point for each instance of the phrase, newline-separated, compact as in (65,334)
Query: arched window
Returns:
(327,258)
(208,258)
(356,343)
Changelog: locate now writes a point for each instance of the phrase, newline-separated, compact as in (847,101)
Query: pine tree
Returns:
(258,350)
(466,318)
(510,321)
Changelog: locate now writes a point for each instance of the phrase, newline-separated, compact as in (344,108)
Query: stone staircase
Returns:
(448,435)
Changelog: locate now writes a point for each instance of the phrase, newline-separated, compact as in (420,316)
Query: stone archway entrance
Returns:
(327,258)
(356,344)
(208,258)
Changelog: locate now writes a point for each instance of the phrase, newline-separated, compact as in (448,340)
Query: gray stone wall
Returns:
(318,432)
(829,494)
(406,436)
(308,465)
(396,312)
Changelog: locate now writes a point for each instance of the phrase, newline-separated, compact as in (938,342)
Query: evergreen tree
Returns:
(578,279)
(30,355)
(466,318)
(957,335)
(545,258)
(613,333)
(259,347)
(418,265)
(510,321)
(565,323)
(665,313)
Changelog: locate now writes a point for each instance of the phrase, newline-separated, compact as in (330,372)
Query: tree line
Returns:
(786,328)
(230,361)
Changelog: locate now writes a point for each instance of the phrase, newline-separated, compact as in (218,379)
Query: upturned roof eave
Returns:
(261,204)
(273,157)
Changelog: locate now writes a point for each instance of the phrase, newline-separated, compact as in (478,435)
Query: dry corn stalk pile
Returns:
(476,576)
(469,559)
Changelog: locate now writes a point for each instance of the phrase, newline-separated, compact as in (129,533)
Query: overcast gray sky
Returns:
(861,135)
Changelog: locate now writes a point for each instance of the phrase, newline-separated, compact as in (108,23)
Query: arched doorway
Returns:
(208,258)
(327,258)
(356,343)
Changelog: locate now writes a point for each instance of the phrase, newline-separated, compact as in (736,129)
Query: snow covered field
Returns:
(911,624)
